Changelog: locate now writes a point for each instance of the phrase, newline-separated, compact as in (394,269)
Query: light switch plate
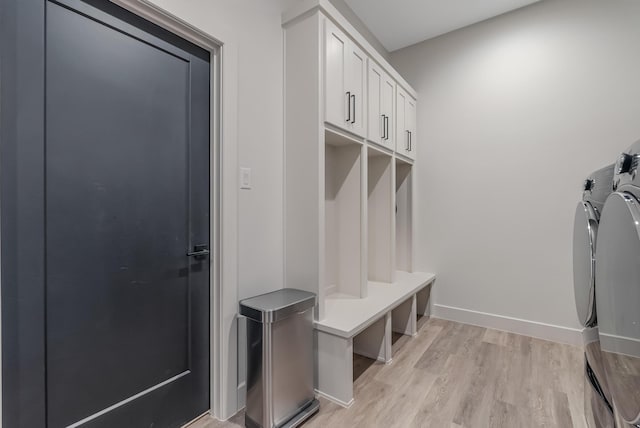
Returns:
(245,178)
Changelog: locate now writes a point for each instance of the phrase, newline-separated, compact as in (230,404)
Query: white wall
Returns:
(513,114)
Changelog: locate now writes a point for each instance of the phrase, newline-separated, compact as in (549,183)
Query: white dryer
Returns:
(618,289)
(597,187)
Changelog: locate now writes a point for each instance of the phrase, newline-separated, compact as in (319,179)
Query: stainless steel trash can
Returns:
(279,358)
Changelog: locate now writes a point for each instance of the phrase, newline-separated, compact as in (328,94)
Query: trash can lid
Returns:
(274,306)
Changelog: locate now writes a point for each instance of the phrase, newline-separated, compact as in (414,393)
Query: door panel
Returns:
(410,121)
(380,119)
(375,119)
(127,187)
(598,414)
(402,137)
(357,77)
(618,298)
(22,219)
(388,108)
(585,229)
(337,100)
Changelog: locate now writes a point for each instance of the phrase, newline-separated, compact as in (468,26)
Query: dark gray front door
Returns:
(126,198)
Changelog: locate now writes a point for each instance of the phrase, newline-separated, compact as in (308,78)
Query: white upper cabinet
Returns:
(411,119)
(336,104)
(357,72)
(405,124)
(345,82)
(381,108)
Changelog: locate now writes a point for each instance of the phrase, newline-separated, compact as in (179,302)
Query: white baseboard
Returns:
(335,400)
(554,333)
(620,345)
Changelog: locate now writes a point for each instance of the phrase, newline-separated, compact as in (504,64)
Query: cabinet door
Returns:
(357,78)
(402,132)
(410,120)
(336,100)
(375,116)
(388,92)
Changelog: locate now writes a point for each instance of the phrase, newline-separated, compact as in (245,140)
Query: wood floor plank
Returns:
(475,404)
(401,411)
(496,337)
(505,415)
(441,403)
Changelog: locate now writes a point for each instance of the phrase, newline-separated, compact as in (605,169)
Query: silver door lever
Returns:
(199,251)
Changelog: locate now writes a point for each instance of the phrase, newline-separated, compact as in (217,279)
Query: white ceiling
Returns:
(400,23)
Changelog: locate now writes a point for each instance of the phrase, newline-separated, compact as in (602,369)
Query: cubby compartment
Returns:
(403,317)
(343,268)
(380,216)
(374,341)
(404,217)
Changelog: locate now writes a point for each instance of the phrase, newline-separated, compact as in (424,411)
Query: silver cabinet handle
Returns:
(348,106)
(353,119)
(408,140)
(384,129)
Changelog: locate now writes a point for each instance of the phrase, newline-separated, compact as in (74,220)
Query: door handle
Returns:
(384,129)
(200,252)
(348,106)
(353,120)
(408,140)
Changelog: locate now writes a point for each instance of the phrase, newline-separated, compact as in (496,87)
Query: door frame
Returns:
(224,191)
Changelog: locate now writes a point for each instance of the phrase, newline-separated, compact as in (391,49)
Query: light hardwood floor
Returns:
(457,375)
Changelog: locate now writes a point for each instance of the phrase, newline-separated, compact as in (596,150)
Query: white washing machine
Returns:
(597,399)
(618,289)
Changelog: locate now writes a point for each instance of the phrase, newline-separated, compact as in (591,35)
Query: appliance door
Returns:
(597,411)
(618,296)
(585,230)
(594,360)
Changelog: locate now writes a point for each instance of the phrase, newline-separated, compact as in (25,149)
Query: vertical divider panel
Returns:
(394,210)
(364,222)
(334,371)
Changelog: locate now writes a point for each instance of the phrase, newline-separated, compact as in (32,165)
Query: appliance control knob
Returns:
(588,184)
(624,164)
